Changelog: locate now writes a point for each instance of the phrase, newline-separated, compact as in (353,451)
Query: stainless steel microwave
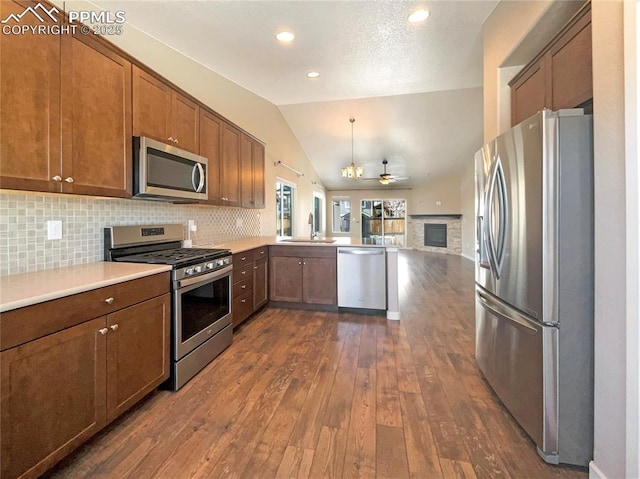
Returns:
(164,172)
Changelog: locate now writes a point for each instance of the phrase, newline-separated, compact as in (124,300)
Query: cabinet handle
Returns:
(255,267)
(243,300)
(113,327)
(57,178)
(109,300)
(243,258)
(175,141)
(68,179)
(244,286)
(262,252)
(243,272)
(103,331)
(170,139)
(299,262)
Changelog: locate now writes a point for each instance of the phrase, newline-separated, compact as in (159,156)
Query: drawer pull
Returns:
(243,300)
(244,286)
(57,178)
(69,179)
(299,262)
(262,252)
(255,267)
(103,331)
(243,258)
(243,272)
(109,300)
(113,327)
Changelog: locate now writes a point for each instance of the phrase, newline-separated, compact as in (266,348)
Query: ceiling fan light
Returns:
(385,181)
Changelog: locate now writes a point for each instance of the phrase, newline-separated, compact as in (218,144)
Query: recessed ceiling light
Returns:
(313,74)
(419,16)
(285,37)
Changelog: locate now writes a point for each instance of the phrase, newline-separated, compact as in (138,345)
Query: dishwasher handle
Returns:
(362,251)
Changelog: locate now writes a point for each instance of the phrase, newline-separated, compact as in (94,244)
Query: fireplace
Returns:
(435,234)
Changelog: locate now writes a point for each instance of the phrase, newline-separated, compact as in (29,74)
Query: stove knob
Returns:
(198,269)
(226,261)
(209,265)
(188,271)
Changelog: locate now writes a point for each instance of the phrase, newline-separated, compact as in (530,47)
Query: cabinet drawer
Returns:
(240,259)
(26,324)
(242,307)
(242,287)
(260,253)
(245,272)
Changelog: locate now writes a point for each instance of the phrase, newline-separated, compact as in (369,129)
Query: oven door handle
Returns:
(220,273)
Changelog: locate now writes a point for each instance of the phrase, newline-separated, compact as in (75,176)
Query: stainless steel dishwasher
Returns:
(362,278)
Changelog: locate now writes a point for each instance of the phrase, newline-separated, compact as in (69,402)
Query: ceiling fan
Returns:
(386,178)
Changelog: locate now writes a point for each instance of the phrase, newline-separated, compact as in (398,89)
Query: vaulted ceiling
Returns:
(414,89)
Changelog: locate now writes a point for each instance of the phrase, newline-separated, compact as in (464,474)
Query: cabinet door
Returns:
(319,280)
(184,122)
(30,112)
(210,131)
(285,279)
(246,171)
(571,66)
(137,352)
(258,175)
(230,168)
(528,94)
(151,106)
(96,116)
(260,283)
(53,397)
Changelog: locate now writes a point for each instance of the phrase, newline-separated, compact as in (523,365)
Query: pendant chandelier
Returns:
(352,172)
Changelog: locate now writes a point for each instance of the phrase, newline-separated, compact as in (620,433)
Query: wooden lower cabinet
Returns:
(303,275)
(250,276)
(59,390)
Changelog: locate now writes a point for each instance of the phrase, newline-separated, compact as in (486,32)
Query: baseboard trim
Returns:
(468,257)
(595,472)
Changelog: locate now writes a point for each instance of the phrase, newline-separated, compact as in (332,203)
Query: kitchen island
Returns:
(317,245)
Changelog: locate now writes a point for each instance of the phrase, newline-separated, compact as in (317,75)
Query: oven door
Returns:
(202,308)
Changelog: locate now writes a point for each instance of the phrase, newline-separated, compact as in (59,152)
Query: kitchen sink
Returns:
(304,240)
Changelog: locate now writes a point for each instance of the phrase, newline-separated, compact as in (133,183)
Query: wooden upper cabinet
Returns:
(528,94)
(96,119)
(30,106)
(151,106)
(230,167)
(184,121)
(210,134)
(246,171)
(162,113)
(571,66)
(558,77)
(258,175)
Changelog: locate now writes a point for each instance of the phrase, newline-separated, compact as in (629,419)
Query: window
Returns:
(284,209)
(341,215)
(318,212)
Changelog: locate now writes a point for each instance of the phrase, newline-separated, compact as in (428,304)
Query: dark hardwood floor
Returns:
(307,394)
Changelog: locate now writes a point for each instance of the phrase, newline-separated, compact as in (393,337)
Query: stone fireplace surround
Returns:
(454,232)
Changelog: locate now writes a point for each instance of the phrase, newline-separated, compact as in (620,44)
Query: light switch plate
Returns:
(54,229)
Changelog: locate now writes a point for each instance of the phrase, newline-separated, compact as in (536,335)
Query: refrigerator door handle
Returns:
(488,214)
(501,184)
(509,315)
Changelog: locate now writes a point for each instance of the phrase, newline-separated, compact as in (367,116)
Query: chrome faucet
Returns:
(312,234)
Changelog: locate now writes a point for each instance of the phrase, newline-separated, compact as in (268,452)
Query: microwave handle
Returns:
(198,167)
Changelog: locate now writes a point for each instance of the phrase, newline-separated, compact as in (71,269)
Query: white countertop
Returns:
(245,244)
(19,290)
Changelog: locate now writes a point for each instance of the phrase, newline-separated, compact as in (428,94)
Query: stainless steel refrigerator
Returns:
(534,279)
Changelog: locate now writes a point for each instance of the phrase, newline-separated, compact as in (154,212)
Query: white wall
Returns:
(467,208)
(610,243)
(437,196)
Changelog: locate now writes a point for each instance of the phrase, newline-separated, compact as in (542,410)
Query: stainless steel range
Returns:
(200,288)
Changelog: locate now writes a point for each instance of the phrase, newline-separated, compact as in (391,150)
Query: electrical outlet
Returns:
(54,229)
(192,226)
(438,203)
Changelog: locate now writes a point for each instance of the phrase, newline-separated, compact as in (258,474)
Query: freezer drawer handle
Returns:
(518,320)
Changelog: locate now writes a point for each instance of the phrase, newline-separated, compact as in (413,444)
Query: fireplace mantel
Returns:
(446,215)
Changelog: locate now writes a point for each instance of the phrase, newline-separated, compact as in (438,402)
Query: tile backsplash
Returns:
(23,226)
